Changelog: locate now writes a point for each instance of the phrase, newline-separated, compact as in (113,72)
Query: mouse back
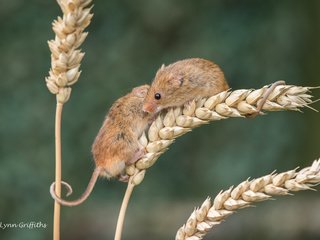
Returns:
(182,81)
(117,139)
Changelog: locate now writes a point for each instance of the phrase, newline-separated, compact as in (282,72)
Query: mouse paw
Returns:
(124,178)
(137,155)
(152,118)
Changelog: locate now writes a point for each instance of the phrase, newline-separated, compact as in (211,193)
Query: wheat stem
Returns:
(56,218)
(134,180)
(212,213)
(64,72)
(123,210)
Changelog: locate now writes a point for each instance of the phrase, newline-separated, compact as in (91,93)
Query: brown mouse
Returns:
(117,143)
(183,81)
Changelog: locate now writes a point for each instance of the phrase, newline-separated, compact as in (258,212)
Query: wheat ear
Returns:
(64,72)
(175,122)
(212,213)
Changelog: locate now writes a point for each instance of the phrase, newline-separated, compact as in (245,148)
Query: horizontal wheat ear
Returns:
(174,122)
(212,213)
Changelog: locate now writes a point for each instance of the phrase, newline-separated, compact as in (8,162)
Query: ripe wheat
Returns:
(212,213)
(175,122)
(65,55)
(64,72)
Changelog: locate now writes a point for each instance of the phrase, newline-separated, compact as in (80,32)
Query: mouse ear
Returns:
(176,81)
(160,70)
(140,91)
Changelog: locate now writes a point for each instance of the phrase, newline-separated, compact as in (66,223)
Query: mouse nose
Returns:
(149,108)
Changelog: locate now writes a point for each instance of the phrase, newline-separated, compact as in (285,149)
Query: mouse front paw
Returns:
(124,178)
(137,155)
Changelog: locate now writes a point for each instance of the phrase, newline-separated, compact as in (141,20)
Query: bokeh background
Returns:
(255,42)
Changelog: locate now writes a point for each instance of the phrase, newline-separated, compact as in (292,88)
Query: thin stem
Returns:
(123,210)
(56,216)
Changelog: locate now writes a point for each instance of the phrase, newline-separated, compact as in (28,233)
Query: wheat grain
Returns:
(212,213)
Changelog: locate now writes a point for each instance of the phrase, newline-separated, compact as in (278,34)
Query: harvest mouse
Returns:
(117,143)
(183,81)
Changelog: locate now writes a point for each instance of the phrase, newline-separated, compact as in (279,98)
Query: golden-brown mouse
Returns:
(117,143)
(183,81)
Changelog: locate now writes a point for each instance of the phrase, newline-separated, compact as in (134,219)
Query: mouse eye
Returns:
(157,96)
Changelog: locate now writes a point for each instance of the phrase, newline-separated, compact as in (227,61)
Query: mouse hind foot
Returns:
(137,155)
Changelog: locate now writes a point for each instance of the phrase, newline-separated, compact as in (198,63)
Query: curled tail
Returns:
(83,197)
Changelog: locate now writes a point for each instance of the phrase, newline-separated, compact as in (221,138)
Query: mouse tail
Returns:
(83,197)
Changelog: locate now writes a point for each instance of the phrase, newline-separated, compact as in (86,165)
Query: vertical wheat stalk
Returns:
(64,72)
(56,213)
(134,180)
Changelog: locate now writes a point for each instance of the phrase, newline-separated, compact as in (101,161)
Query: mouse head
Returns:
(162,92)
(141,91)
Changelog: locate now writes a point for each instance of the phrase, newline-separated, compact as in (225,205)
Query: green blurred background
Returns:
(255,42)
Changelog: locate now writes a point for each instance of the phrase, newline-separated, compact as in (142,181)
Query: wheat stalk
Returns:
(177,121)
(212,213)
(64,72)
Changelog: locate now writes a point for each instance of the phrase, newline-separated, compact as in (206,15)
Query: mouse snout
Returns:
(149,107)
